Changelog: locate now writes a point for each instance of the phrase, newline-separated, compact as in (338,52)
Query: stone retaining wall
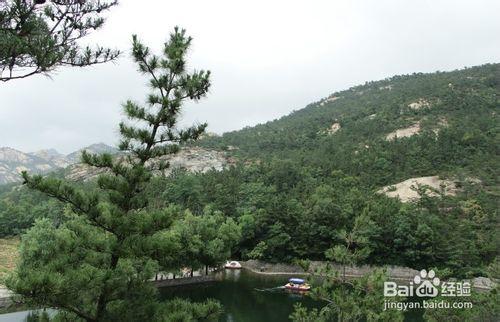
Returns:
(395,273)
(5,297)
(5,301)
(185,281)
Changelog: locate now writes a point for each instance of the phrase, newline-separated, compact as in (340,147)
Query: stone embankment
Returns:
(185,281)
(5,297)
(395,273)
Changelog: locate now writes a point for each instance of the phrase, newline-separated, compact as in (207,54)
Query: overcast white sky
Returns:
(267,58)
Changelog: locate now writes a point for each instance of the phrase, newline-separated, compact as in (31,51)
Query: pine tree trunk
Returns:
(101,301)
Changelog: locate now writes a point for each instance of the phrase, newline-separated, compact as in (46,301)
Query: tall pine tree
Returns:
(97,265)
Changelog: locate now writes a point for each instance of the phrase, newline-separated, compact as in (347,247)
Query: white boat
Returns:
(232,265)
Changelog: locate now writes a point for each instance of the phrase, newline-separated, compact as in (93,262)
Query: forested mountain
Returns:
(306,178)
(297,186)
(444,121)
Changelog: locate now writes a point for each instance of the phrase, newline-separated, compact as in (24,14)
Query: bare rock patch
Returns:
(334,128)
(329,100)
(406,190)
(420,103)
(405,132)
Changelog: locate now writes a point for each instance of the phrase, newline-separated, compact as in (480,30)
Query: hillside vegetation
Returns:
(456,113)
(307,177)
(302,184)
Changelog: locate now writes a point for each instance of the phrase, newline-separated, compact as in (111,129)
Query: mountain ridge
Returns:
(13,161)
(409,162)
(393,129)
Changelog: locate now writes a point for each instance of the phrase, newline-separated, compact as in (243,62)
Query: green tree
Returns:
(210,238)
(38,36)
(97,265)
(354,247)
(359,300)
(485,308)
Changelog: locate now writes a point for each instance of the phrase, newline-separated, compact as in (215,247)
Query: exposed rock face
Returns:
(483,283)
(442,123)
(334,128)
(209,135)
(13,162)
(51,155)
(420,103)
(405,132)
(329,100)
(82,172)
(406,190)
(12,155)
(97,148)
(197,160)
(193,159)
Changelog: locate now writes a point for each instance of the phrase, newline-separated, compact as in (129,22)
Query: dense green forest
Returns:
(300,183)
(401,171)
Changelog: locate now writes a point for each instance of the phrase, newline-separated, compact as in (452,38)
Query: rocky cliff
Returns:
(193,159)
(13,162)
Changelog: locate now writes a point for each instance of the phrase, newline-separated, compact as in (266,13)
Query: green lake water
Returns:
(245,297)
(250,297)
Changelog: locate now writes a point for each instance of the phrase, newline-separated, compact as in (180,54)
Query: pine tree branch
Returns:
(65,193)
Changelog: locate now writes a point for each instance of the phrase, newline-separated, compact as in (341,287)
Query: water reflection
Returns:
(25,316)
(232,274)
(246,296)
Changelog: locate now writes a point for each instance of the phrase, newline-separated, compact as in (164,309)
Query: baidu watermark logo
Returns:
(426,285)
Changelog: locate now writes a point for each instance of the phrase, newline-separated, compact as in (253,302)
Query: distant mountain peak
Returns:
(46,153)
(13,161)
(74,157)
(8,154)
(99,145)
